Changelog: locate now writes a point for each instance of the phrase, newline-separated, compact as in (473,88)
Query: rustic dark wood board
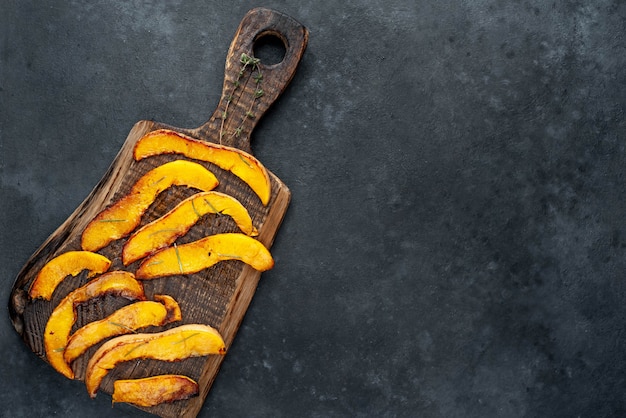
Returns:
(218,296)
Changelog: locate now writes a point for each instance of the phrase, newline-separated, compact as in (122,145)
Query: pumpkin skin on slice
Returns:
(59,325)
(175,344)
(204,253)
(123,321)
(154,390)
(238,162)
(70,263)
(121,218)
(165,230)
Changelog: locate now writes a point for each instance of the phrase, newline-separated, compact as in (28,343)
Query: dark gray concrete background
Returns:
(456,242)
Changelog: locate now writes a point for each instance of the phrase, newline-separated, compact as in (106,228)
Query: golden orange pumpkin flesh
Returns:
(204,253)
(154,390)
(60,322)
(165,230)
(175,344)
(238,162)
(124,216)
(125,320)
(67,264)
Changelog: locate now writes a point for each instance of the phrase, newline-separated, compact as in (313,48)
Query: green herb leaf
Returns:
(134,348)
(160,231)
(213,208)
(180,263)
(186,338)
(235,256)
(154,183)
(193,206)
(117,324)
(244,160)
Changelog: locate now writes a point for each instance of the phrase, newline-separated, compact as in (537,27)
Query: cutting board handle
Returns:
(250,85)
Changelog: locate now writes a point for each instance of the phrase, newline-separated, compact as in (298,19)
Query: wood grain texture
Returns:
(218,296)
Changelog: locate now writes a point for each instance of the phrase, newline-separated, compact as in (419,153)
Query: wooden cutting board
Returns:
(218,296)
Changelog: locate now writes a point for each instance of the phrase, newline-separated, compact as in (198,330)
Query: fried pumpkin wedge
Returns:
(238,162)
(121,218)
(165,230)
(60,322)
(204,253)
(125,320)
(67,264)
(175,344)
(154,390)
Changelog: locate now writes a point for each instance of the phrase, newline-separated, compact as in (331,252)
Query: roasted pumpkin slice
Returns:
(121,218)
(204,253)
(70,263)
(171,306)
(154,390)
(59,325)
(123,321)
(238,162)
(175,344)
(165,230)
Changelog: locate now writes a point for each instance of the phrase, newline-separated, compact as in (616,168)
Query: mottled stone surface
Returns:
(456,242)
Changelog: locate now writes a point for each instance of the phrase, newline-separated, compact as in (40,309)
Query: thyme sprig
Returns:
(193,206)
(129,352)
(213,208)
(186,338)
(246,62)
(117,324)
(154,263)
(244,160)
(233,256)
(162,231)
(180,263)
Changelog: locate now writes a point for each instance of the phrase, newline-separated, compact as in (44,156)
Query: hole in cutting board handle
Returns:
(270,48)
